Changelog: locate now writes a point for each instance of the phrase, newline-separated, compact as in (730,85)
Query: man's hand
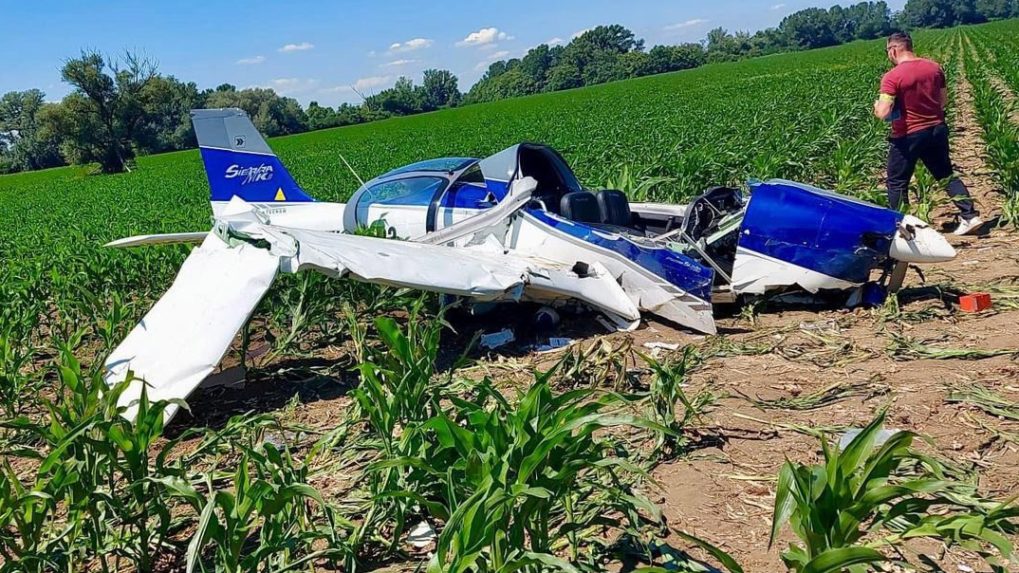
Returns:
(884,106)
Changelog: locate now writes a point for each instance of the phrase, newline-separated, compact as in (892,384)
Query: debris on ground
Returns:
(421,535)
(497,339)
(554,343)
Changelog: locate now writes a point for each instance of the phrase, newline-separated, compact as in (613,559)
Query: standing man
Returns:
(913,98)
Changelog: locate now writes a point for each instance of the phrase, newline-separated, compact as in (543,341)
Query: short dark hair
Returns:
(903,39)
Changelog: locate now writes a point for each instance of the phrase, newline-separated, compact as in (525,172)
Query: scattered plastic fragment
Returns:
(661,346)
(497,339)
(554,343)
(975,302)
(882,436)
(421,535)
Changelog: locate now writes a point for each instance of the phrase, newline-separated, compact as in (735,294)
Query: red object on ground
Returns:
(975,302)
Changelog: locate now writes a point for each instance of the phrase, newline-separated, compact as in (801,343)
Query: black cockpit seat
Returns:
(614,208)
(580,206)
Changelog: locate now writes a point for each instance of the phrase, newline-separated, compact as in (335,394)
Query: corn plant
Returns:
(16,383)
(25,516)
(666,389)
(870,496)
(514,482)
(262,522)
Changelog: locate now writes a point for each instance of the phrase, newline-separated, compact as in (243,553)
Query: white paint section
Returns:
(185,335)
(484,275)
(916,242)
(316,216)
(598,289)
(755,273)
(152,240)
(662,210)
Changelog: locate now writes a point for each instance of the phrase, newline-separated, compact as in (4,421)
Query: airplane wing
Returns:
(483,271)
(185,335)
(167,239)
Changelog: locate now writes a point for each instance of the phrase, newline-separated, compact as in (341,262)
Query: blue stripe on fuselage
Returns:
(675,268)
(818,230)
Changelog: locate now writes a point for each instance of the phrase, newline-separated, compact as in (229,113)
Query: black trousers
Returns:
(931,147)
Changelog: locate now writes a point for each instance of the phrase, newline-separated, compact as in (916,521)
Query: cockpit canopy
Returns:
(544,164)
(449,183)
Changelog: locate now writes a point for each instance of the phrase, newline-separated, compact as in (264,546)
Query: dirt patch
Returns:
(968,153)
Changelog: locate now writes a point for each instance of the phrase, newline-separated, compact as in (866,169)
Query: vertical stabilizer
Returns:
(238,161)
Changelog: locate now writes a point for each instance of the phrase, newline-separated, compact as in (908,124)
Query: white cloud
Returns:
(687,24)
(398,63)
(360,85)
(778,6)
(410,45)
(482,37)
(303,46)
(292,86)
(580,33)
(251,61)
(555,41)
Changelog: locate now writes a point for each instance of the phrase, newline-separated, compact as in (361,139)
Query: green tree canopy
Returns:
(271,113)
(106,109)
(24,144)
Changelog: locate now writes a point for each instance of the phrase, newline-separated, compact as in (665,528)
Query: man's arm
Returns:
(884,106)
(885,103)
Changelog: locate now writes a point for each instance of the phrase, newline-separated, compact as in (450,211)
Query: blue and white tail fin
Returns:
(238,161)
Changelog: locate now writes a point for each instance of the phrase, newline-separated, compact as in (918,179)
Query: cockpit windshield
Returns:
(410,191)
(443,164)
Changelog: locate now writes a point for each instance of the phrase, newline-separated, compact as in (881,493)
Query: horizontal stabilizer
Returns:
(167,239)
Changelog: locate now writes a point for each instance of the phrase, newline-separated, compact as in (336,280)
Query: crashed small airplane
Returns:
(517,226)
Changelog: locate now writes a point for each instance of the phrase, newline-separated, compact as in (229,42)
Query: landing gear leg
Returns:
(897,277)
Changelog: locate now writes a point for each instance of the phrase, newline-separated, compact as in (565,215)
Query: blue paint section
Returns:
(818,230)
(467,196)
(679,270)
(254,177)
(499,189)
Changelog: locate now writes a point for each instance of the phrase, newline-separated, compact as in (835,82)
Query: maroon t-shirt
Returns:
(916,86)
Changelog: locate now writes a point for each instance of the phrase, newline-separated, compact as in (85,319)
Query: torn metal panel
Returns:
(755,273)
(185,335)
(598,288)
(463,272)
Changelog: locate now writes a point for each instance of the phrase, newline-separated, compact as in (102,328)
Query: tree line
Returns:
(121,108)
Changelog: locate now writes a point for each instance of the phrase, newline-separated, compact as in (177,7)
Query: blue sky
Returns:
(319,50)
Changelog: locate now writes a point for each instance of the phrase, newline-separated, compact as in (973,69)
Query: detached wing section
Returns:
(185,335)
(482,274)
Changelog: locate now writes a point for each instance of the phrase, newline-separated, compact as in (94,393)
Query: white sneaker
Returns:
(968,226)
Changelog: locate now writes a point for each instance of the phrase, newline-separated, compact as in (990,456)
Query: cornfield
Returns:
(553,474)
